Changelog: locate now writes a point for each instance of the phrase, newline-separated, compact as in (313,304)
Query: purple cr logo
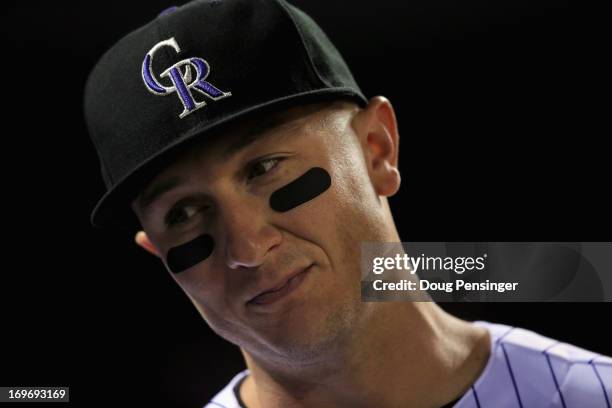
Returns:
(182,82)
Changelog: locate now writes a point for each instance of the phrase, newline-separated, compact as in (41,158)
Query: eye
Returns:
(180,214)
(263,166)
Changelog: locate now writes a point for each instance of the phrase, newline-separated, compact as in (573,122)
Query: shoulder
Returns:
(529,369)
(582,376)
(226,398)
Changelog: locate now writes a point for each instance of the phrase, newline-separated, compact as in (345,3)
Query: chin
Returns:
(309,338)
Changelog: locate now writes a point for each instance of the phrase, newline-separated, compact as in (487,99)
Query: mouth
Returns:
(280,291)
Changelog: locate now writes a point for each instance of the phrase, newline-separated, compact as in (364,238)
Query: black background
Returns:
(499,142)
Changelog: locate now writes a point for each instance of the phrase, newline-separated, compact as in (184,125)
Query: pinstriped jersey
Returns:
(524,370)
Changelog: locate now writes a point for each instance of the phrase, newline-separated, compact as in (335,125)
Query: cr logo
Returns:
(182,82)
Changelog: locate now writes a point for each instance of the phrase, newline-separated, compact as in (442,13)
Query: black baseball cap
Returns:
(193,70)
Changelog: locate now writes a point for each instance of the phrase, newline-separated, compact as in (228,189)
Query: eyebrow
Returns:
(158,190)
(255,133)
(258,131)
(241,143)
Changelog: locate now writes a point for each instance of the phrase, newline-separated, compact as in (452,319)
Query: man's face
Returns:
(225,195)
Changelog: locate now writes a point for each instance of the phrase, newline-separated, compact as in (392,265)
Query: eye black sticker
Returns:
(306,187)
(187,255)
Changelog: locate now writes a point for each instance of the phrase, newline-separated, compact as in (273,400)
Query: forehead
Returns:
(225,142)
(228,140)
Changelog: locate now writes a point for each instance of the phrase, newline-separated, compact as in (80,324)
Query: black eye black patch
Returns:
(187,255)
(306,187)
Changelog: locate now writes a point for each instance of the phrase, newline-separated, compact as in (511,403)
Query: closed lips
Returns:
(281,285)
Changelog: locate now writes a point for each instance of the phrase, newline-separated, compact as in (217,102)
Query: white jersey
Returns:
(524,370)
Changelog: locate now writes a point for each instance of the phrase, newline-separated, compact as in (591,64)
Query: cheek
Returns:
(308,221)
(189,254)
(334,222)
(206,288)
(301,190)
(343,205)
(207,294)
(214,312)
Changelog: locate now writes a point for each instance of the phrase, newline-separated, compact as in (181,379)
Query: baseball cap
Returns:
(191,71)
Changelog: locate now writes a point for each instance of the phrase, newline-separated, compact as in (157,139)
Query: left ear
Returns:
(145,243)
(376,128)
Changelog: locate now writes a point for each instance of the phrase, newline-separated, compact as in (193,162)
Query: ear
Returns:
(143,241)
(376,128)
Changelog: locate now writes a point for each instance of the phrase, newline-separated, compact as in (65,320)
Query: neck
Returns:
(403,354)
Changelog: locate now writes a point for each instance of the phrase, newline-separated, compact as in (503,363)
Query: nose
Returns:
(248,235)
